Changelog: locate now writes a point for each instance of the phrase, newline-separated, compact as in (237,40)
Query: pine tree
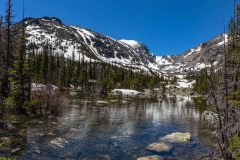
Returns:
(8,56)
(21,88)
(62,73)
(1,63)
(9,39)
(45,64)
(77,72)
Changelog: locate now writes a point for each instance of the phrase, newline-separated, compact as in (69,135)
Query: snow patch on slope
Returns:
(64,47)
(161,60)
(183,83)
(193,51)
(131,43)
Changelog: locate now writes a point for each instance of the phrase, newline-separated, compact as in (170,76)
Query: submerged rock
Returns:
(73,93)
(40,122)
(59,142)
(211,117)
(54,123)
(23,132)
(160,147)
(51,134)
(85,101)
(105,157)
(6,125)
(16,151)
(124,102)
(151,158)
(114,101)
(51,117)
(6,140)
(102,102)
(177,137)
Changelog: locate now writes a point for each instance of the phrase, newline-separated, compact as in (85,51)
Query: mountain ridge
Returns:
(66,39)
(198,57)
(90,45)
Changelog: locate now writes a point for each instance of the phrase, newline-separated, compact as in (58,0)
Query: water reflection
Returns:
(118,131)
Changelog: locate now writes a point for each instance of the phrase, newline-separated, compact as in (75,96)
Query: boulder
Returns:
(151,158)
(160,147)
(177,137)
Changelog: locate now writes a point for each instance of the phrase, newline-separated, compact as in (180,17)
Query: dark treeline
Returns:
(51,67)
(23,63)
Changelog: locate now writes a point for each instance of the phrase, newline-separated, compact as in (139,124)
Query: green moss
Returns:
(2,144)
(7,158)
(235,146)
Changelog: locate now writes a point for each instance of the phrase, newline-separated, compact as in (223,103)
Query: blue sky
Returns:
(165,26)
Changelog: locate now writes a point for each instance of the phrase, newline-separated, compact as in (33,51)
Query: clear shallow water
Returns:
(118,131)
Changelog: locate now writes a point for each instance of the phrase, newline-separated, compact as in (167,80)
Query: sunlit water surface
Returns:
(118,131)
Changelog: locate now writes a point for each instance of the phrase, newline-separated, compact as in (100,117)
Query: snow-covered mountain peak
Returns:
(82,42)
(90,45)
(131,43)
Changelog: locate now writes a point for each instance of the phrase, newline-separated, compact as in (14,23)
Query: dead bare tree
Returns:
(223,83)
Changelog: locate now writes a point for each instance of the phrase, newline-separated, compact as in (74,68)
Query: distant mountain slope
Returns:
(88,44)
(195,59)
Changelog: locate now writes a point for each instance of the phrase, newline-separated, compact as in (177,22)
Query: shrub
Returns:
(51,101)
(9,103)
(30,106)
